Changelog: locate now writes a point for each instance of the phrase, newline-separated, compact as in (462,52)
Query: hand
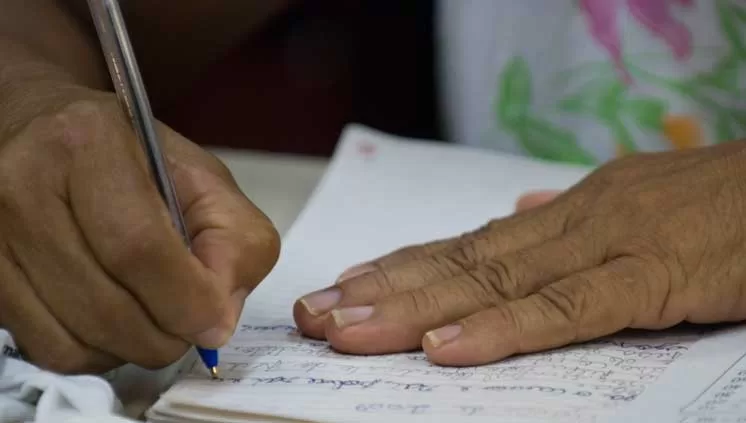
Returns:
(644,242)
(93,273)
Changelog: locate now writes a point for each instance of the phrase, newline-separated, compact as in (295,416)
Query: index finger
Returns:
(581,307)
(233,238)
(499,236)
(127,225)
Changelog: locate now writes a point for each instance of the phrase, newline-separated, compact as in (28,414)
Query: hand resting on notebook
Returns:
(647,242)
(93,272)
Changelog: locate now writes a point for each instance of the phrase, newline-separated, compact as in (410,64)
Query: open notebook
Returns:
(379,193)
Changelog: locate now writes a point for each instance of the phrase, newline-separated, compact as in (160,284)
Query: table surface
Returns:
(279,185)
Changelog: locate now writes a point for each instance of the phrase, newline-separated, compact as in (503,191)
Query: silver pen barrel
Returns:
(130,89)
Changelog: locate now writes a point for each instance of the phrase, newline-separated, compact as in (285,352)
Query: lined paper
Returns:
(707,386)
(379,194)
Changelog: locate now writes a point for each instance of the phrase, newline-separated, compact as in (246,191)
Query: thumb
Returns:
(219,335)
(535,199)
(230,236)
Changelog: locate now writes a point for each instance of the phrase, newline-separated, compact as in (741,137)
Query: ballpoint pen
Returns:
(130,89)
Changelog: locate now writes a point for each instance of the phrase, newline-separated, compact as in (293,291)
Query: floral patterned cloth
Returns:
(586,81)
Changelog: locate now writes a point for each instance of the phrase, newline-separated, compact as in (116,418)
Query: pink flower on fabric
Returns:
(655,15)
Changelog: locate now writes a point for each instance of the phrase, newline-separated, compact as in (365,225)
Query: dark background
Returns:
(313,70)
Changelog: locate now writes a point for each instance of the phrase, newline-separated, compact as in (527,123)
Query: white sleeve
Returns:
(29,394)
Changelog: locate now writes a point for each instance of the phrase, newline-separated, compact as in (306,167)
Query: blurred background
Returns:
(313,69)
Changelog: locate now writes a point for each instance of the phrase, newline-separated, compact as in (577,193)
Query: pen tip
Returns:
(214,372)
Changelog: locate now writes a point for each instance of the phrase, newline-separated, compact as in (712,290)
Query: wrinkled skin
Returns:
(646,242)
(93,273)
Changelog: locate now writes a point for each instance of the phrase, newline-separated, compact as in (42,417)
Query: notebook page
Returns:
(272,371)
(381,193)
(706,386)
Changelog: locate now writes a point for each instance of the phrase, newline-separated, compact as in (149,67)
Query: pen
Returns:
(125,75)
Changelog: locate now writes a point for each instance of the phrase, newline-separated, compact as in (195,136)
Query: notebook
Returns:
(381,192)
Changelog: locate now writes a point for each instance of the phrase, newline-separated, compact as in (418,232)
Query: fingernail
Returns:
(213,338)
(349,316)
(442,335)
(320,302)
(356,271)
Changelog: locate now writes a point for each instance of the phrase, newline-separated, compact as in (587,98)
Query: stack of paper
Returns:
(381,193)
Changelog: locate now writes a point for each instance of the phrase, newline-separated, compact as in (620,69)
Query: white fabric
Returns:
(31,395)
(678,57)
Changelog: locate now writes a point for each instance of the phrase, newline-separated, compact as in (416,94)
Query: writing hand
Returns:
(644,242)
(93,273)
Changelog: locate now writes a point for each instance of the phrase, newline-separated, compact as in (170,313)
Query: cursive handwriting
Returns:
(577,383)
(724,401)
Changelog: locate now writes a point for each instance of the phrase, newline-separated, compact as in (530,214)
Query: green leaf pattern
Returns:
(732,20)
(538,137)
(546,141)
(606,100)
(515,93)
(648,112)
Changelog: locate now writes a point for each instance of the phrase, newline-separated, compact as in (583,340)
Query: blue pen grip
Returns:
(209,357)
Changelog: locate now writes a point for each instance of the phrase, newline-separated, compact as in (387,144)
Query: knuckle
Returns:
(569,301)
(82,109)
(478,247)
(269,241)
(70,127)
(498,280)
(471,288)
(423,302)
(446,265)
(414,273)
(462,257)
(468,253)
(385,283)
(264,245)
(511,316)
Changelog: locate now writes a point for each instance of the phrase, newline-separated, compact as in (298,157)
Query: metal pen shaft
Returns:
(131,92)
(130,89)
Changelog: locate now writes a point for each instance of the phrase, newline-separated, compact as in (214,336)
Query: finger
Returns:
(496,238)
(398,257)
(535,199)
(311,311)
(232,237)
(127,225)
(83,298)
(398,322)
(584,306)
(40,337)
